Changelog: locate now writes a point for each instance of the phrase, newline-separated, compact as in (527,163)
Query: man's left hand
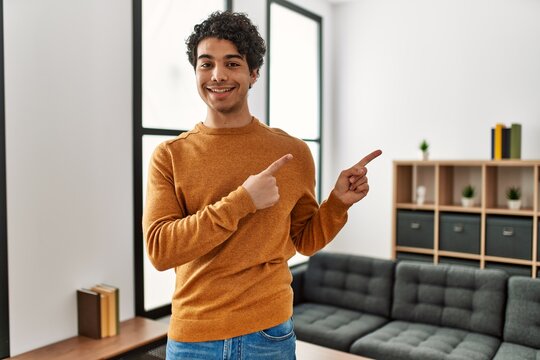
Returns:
(352,184)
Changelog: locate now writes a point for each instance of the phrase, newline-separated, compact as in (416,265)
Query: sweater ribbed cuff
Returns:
(245,202)
(338,206)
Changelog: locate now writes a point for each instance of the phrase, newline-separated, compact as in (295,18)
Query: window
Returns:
(295,78)
(166,103)
(4,299)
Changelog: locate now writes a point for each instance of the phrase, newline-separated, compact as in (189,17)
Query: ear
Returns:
(254,75)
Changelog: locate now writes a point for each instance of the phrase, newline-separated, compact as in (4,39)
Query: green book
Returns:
(515,141)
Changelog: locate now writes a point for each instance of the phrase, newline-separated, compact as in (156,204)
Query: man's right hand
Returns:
(262,187)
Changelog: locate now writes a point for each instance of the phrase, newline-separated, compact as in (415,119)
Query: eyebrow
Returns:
(229,56)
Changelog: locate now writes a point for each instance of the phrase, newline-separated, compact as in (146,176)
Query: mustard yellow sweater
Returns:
(231,267)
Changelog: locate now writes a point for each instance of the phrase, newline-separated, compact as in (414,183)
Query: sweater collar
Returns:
(229,131)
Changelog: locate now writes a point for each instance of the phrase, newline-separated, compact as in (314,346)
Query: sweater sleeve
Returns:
(314,226)
(174,238)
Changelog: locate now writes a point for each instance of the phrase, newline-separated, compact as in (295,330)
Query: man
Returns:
(228,204)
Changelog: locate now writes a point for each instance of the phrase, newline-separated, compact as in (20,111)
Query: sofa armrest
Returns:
(298,273)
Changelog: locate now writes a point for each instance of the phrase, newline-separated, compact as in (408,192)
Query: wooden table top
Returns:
(134,333)
(308,351)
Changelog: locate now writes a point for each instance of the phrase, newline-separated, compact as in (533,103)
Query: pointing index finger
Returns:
(276,165)
(367,159)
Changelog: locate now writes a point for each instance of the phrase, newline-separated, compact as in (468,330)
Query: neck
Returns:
(218,120)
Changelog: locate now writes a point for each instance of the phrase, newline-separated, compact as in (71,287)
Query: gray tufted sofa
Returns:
(383,310)
(343,298)
(522,324)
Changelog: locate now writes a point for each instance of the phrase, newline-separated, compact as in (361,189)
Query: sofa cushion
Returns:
(522,324)
(350,281)
(450,296)
(332,326)
(509,351)
(409,341)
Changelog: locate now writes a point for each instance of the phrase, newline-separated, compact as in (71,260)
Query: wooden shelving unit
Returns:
(443,181)
(134,333)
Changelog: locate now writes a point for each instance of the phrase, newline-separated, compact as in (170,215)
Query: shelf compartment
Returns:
(403,183)
(414,250)
(459,261)
(500,178)
(453,179)
(509,237)
(505,260)
(415,229)
(460,233)
(511,269)
(414,257)
(459,255)
(409,176)
(424,175)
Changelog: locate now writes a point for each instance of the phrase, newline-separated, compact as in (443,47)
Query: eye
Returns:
(205,65)
(233,64)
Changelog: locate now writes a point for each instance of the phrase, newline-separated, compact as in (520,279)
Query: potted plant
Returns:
(513,195)
(467,196)
(424,147)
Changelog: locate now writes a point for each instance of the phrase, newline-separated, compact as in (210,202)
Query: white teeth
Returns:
(220,90)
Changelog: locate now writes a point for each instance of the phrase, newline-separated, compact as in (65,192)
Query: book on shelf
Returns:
(497,152)
(112,298)
(506,142)
(505,145)
(89,313)
(515,141)
(492,143)
(98,311)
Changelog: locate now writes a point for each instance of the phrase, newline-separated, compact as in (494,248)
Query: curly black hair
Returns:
(235,27)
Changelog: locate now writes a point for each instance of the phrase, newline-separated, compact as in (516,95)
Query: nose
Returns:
(219,73)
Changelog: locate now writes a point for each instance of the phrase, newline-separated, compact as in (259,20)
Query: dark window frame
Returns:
(4,289)
(319,20)
(138,132)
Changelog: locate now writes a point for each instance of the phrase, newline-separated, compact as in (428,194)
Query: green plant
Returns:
(513,193)
(424,145)
(468,192)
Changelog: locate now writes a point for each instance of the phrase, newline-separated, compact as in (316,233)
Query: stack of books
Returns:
(506,142)
(98,311)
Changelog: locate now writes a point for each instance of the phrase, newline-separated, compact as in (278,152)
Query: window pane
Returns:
(169,94)
(158,286)
(314,147)
(297,259)
(294,73)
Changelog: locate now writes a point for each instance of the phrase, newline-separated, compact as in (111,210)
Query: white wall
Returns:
(444,70)
(69,161)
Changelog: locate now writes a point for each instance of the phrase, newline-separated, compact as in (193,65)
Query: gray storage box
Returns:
(415,229)
(508,236)
(414,257)
(460,233)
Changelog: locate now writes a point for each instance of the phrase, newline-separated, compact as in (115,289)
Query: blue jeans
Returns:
(275,343)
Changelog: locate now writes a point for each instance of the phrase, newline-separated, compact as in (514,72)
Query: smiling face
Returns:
(223,77)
